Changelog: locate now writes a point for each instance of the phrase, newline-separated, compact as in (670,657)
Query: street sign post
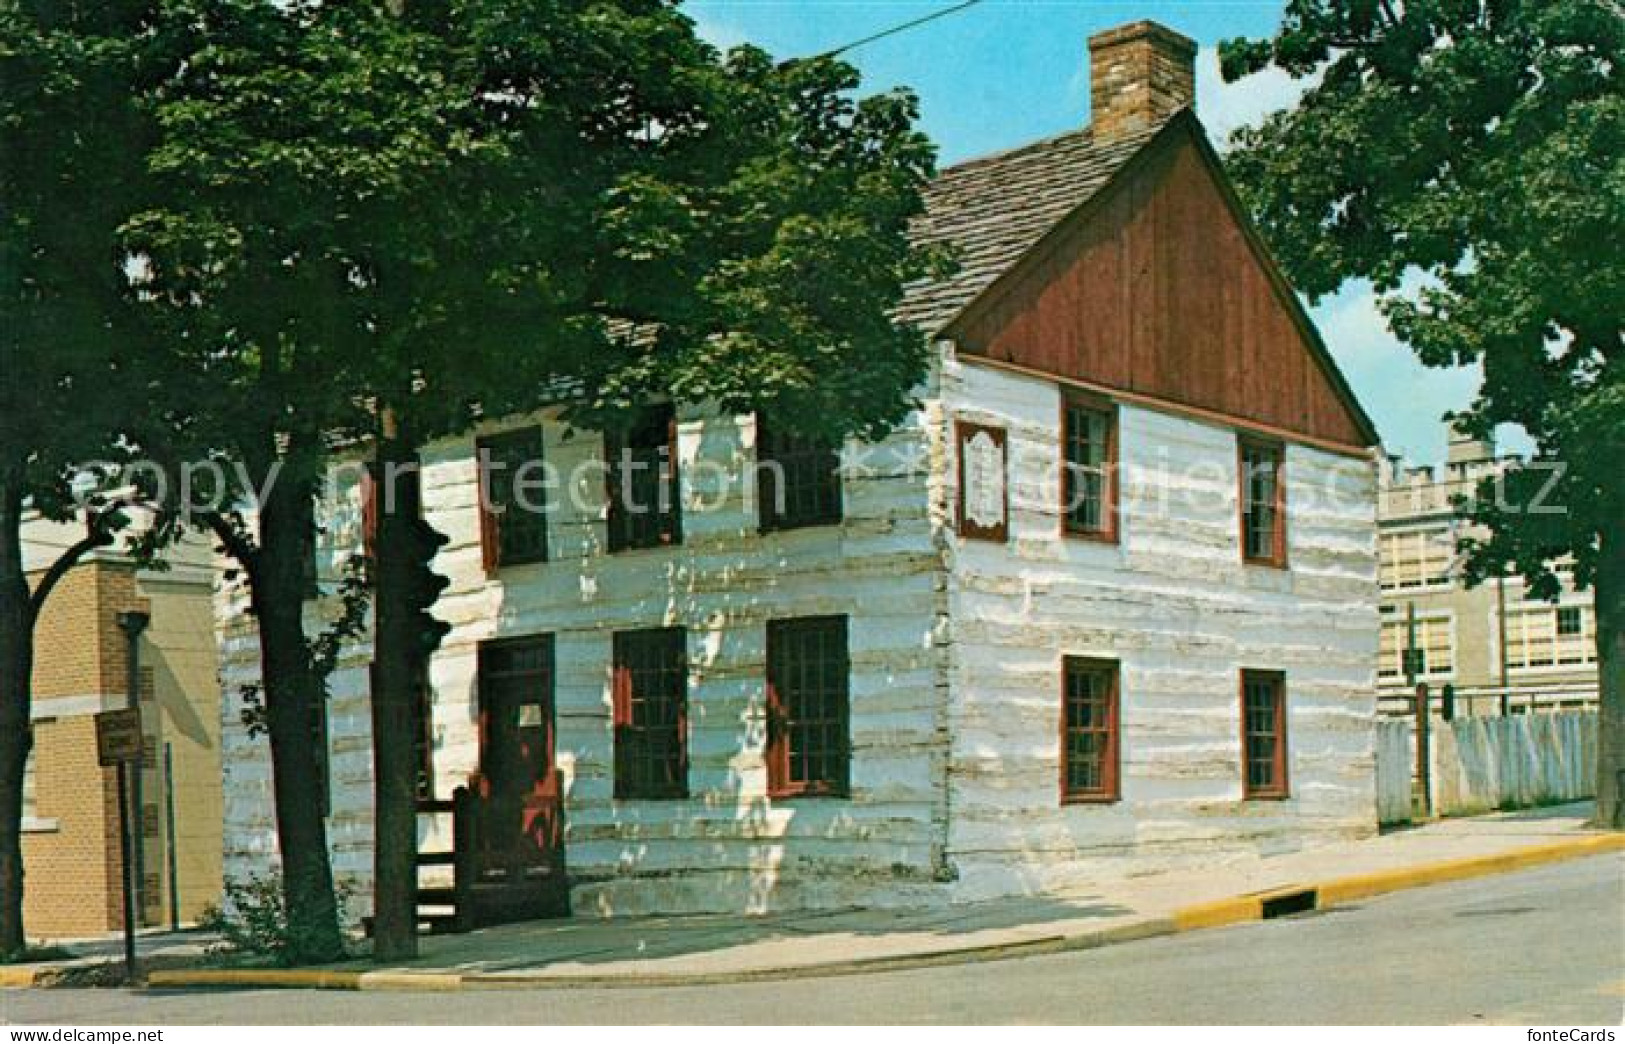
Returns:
(118,742)
(118,736)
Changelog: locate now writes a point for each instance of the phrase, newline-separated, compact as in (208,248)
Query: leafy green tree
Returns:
(71,142)
(1477,147)
(375,222)
(641,217)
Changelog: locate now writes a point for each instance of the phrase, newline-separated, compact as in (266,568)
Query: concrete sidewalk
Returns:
(702,949)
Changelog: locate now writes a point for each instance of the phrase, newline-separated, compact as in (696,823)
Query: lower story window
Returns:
(808,728)
(1089,730)
(1263,713)
(651,713)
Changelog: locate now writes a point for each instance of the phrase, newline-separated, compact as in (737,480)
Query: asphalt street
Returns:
(1545,947)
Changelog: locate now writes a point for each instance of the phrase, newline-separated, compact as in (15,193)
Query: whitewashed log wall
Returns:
(947,639)
(1174,605)
(726,848)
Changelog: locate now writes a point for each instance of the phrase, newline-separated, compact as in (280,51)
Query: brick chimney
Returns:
(1139,75)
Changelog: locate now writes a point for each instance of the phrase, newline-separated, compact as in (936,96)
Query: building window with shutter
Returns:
(1089,730)
(1263,503)
(1089,467)
(513,498)
(643,484)
(1417,559)
(798,479)
(808,706)
(1263,729)
(30,789)
(651,713)
(1434,651)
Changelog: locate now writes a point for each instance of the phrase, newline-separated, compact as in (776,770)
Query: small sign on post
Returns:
(118,736)
(118,742)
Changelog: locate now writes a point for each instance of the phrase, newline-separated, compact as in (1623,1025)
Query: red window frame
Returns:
(651,713)
(964,431)
(644,455)
(1255,457)
(1090,730)
(812,479)
(509,537)
(1264,735)
(1075,406)
(809,707)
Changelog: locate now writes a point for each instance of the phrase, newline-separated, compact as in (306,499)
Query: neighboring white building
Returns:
(1105,602)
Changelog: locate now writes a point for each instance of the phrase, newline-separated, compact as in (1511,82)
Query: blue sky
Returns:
(1008,71)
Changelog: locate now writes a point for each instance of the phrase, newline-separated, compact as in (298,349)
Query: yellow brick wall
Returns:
(72,887)
(71,871)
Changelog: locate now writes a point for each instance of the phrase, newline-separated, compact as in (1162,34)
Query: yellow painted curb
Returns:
(1363,886)
(436,981)
(1233,910)
(1218,913)
(16,977)
(297,978)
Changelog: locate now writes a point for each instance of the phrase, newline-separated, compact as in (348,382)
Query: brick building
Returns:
(71,851)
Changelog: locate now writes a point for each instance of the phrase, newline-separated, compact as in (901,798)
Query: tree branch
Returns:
(235,543)
(97,535)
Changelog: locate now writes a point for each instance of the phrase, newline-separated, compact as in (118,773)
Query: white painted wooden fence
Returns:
(1395,763)
(1483,763)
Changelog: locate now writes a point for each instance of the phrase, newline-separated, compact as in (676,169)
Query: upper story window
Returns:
(1433,653)
(513,498)
(1263,730)
(1547,637)
(1263,503)
(644,510)
(798,479)
(1416,558)
(1089,467)
(809,745)
(651,713)
(1089,730)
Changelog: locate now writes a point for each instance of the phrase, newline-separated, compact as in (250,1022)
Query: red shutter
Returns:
(621,696)
(490,542)
(369,512)
(777,753)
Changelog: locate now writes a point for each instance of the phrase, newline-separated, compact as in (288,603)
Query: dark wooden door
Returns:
(521,828)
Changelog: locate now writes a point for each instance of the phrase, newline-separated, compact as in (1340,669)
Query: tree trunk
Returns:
(294,697)
(1609,591)
(397,667)
(16,698)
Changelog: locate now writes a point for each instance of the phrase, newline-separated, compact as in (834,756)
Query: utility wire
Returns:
(903,28)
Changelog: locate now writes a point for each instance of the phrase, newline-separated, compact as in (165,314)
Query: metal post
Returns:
(1424,771)
(169,839)
(132,624)
(124,867)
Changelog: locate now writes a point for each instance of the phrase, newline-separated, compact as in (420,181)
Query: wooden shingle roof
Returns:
(992,210)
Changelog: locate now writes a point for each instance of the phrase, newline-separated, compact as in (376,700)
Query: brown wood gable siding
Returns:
(1155,288)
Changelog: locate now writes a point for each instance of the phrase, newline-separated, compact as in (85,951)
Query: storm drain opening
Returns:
(1289,903)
